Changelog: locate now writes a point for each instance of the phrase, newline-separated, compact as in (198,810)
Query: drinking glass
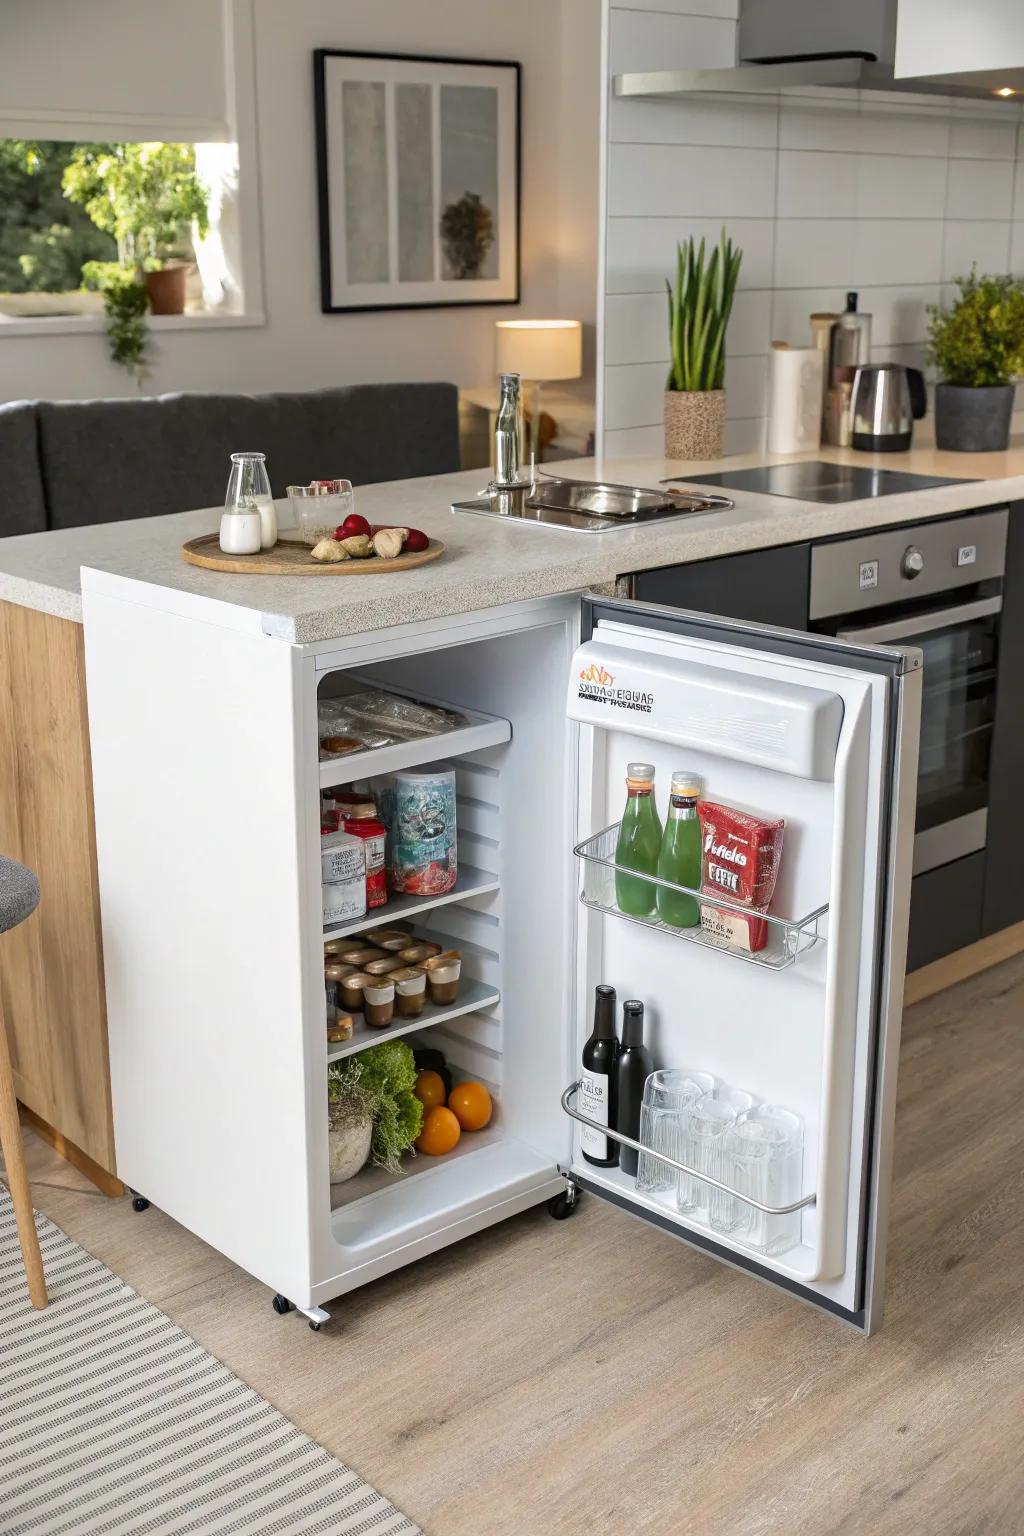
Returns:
(249,491)
(763,1157)
(725,1212)
(703,1138)
(668,1095)
(320,508)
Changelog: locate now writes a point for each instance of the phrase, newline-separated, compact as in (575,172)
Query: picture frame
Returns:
(418,177)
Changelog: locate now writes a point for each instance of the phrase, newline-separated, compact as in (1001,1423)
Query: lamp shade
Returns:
(540,349)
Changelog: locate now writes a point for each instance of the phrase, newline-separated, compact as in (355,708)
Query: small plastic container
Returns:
(320,507)
(336,970)
(352,990)
(393,939)
(379,1001)
(383,967)
(410,991)
(416,954)
(359,954)
(443,973)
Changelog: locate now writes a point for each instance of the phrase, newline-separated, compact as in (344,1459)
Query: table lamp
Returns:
(539,351)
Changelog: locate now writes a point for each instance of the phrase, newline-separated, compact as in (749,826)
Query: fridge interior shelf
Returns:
(473,996)
(661,1157)
(479,731)
(470,882)
(788,938)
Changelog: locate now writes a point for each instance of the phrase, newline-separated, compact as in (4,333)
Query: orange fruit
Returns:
(440,1133)
(471,1105)
(429,1088)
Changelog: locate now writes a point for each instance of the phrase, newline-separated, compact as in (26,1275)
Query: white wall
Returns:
(300,348)
(828,191)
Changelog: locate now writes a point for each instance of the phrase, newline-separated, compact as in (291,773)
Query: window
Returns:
(77,216)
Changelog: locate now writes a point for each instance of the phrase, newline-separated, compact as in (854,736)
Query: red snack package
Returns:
(741,861)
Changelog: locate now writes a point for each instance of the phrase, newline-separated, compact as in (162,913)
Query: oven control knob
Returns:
(912,563)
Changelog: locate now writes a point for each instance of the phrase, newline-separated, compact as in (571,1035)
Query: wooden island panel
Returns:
(51,966)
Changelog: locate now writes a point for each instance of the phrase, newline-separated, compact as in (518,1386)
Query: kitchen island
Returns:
(492,576)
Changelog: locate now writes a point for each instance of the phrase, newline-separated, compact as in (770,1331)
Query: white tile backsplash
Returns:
(979,189)
(975,240)
(888,193)
(659,179)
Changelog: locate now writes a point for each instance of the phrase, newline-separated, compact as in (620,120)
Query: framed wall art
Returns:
(418,173)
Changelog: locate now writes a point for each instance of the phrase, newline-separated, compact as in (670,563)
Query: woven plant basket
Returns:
(694,424)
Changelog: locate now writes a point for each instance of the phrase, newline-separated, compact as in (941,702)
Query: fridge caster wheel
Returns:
(562,1206)
(281,1304)
(139,1202)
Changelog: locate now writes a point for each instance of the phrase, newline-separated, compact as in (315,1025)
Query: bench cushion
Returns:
(22,508)
(108,460)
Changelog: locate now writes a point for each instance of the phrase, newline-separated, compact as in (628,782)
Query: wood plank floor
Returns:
(595,1376)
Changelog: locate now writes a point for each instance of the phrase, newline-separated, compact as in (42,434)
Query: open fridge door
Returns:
(823,735)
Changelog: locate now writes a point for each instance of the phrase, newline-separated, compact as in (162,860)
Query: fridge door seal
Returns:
(900,669)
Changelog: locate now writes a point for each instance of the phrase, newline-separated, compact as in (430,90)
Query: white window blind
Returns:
(113,69)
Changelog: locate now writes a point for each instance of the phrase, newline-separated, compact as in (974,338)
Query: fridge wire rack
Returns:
(695,1173)
(788,938)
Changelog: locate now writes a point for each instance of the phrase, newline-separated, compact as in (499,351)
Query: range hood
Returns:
(786,44)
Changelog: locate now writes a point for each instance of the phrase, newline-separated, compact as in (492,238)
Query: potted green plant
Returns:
(978,347)
(150,199)
(699,307)
(126,303)
(372,1109)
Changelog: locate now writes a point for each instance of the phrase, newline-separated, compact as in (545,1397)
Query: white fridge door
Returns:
(823,734)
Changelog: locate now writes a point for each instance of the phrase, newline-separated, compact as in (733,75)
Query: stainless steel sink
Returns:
(588,506)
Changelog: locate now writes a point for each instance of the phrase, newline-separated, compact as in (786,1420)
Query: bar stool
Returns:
(19,897)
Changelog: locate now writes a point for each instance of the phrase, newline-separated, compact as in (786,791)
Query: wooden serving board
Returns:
(290,557)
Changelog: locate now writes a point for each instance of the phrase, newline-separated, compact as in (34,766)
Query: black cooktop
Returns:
(813,480)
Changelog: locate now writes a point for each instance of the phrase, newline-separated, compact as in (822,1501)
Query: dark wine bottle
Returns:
(597,1081)
(634,1067)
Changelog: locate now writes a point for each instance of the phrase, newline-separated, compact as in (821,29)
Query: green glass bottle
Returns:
(639,842)
(680,856)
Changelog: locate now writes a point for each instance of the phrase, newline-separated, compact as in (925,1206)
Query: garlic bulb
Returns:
(358,545)
(329,551)
(388,542)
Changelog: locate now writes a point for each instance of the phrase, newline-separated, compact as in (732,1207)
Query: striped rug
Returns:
(114,1420)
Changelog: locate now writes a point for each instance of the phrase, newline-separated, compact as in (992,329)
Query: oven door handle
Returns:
(906,629)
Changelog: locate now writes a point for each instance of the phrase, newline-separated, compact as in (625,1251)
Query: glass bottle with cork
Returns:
(679,858)
(639,843)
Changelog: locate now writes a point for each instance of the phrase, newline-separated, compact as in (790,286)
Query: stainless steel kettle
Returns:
(887,399)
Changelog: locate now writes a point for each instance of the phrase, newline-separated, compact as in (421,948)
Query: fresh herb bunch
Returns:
(382,1079)
(980,341)
(698,312)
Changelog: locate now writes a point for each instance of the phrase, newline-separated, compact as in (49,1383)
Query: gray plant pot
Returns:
(973,420)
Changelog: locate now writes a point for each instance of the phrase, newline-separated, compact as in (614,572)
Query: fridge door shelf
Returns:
(661,1157)
(788,938)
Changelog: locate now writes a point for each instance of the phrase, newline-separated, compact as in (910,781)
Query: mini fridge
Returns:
(213,931)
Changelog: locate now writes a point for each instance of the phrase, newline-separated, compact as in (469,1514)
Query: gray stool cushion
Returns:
(19,893)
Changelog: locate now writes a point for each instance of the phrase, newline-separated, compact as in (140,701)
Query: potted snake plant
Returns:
(699,306)
(978,347)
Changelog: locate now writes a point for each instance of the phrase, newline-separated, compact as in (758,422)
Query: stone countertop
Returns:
(488,562)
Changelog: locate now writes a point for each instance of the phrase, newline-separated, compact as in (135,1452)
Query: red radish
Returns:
(352,525)
(416,540)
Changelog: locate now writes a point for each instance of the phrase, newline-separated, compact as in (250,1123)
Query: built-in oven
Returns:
(937,586)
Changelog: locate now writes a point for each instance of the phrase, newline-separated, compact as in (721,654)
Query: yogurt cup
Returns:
(383,966)
(352,989)
(379,1001)
(360,953)
(415,954)
(443,981)
(410,991)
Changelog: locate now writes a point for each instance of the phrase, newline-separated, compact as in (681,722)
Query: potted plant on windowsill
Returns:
(978,347)
(699,307)
(150,199)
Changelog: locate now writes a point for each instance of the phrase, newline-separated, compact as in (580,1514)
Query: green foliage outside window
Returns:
(44,239)
(980,341)
(146,195)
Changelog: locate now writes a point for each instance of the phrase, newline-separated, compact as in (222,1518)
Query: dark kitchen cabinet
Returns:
(1003,894)
(766,586)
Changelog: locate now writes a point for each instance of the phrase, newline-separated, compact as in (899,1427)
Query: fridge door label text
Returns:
(593,1101)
